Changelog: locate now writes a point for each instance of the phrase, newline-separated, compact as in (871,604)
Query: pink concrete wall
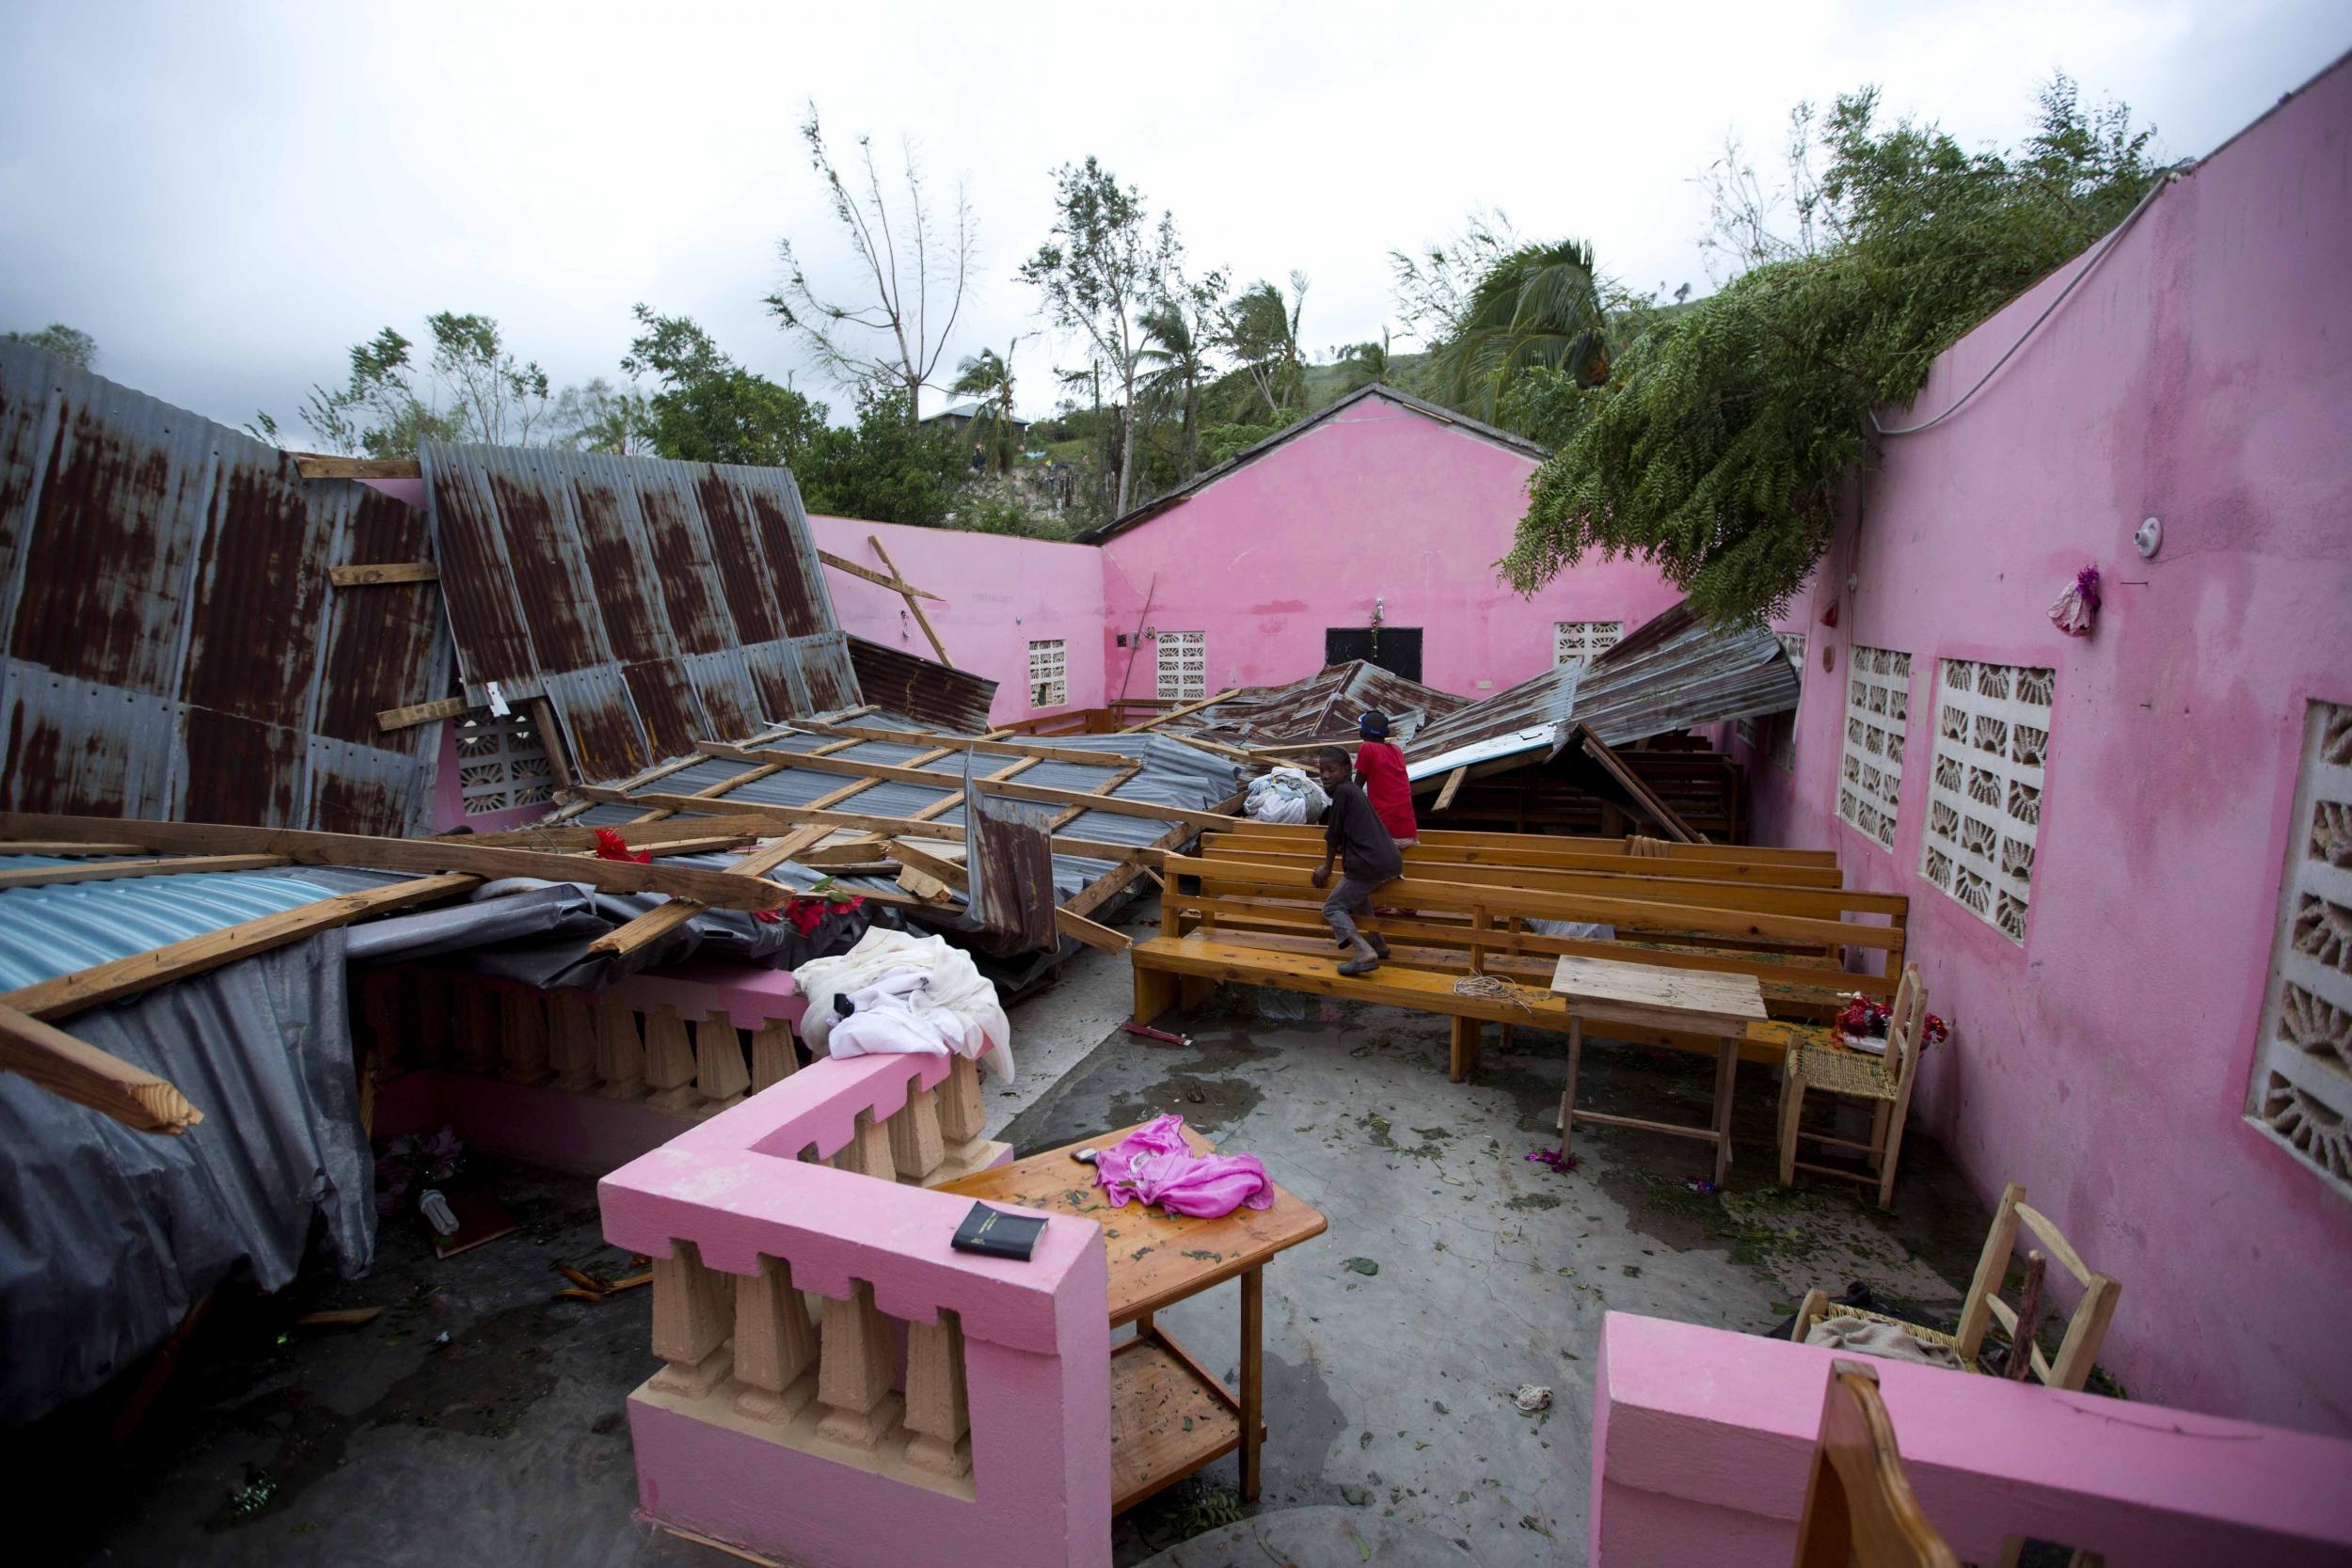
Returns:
(1001,593)
(1703,1442)
(2201,375)
(1380,503)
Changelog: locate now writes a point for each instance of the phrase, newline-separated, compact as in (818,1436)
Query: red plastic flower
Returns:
(612,846)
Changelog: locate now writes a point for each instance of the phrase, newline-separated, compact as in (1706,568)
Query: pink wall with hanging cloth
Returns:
(2201,375)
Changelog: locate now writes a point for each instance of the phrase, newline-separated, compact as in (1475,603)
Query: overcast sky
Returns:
(228,196)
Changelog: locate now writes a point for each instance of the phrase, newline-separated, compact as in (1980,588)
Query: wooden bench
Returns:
(1256,921)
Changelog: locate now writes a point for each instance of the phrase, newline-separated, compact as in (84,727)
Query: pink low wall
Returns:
(2201,375)
(1036,1337)
(1380,506)
(1001,593)
(1703,1442)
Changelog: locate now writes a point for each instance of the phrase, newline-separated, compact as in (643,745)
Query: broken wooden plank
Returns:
(1153,723)
(75,1071)
(1453,782)
(397,571)
(985,744)
(998,784)
(656,924)
(65,847)
(839,564)
(1645,797)
(86,987)
(897,580)
(419,713)
(948,872)
(864,822)
(721,889)
(109,871)
(319,465)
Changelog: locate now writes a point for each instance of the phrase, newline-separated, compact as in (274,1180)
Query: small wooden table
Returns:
(1696,1001)
(1169,1414)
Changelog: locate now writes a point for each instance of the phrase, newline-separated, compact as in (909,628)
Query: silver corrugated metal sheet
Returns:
(1324,706)
(653,603)
(942,698)
(172,646)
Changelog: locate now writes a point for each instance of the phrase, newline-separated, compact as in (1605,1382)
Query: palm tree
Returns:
(1180,365)
(1260,329)
(1537,306)
(986,376)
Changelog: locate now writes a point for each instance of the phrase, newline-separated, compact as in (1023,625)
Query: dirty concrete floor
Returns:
(1455,1271)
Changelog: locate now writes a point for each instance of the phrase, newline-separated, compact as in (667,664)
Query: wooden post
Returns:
(774,1057)
(572,1041)
(1568,1090)
(2028,1311)
(938,1412)
(691,1314)
(916,1147)
(668,1062)
(1480,922)
(1252,1376)
(775,1345)
(1465,1048)
(620,1054)
(523,1036)
(718,1071)
(868,1152)
(856,1363)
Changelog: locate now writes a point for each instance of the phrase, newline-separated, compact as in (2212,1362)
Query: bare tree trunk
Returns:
(1126,446)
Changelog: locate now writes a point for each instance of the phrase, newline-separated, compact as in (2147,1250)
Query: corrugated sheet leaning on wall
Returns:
(953,700)
(653,603)
(173,646)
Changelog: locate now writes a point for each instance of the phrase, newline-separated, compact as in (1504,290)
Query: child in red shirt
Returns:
(1380,769)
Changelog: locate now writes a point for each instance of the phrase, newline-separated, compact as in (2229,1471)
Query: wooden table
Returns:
(1169,1414)
(1697,1000)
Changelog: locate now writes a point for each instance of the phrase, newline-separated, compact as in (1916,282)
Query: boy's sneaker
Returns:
(1379,943)
(1359,966)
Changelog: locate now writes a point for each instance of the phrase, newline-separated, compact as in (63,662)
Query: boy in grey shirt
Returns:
(1353,836)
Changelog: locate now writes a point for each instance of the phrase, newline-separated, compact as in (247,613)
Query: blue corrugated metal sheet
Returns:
(48,931)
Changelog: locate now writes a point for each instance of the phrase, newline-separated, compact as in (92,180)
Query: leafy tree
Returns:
(73,345)
(473,388)
(904,255)
(1719,445)
(889,468)
(710,408)
(1260,330)
(599,417)
(1433,285)
(1540,305)
(1177,329)
(1105,265)
(988,379)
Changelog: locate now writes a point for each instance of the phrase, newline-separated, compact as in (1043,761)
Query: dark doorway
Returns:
(1395,649)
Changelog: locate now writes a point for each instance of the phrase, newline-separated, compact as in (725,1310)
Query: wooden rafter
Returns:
(430,855)
(1634,785)
(1153,723)
(109,871)
(81,1072)
(660,922)
(794,817)
(914,604)
(315,464)
(419,713)
(953,874)
(369,577)
(894,584)
(986,746)
(1000,784)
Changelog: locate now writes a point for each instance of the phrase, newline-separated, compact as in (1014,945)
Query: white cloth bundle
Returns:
(912,996)
(1285,795)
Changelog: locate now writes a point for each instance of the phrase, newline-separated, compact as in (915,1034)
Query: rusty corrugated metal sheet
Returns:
(1324,706)
(1009,862)
(174,647)
(955,701)
(1678,671)
(653,603)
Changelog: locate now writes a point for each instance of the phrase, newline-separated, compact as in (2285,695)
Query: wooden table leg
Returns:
(1252,1370)
(1726,1068)
(1568,1092)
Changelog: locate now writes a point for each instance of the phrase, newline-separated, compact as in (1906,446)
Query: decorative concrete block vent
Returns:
(502,763)
(2301,1092)
(1580,642)
(837,1388)
(1048,673)
(1877,710)
(1183,657)
(1984,802)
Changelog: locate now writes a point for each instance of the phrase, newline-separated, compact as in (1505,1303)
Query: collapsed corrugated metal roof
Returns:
(955,702)
(1324,706)
(1679,671)
(652,602)
(174,648)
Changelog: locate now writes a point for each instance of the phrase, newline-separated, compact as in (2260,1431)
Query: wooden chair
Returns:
(2085,1331)
(1886,1082)
(1858,1506)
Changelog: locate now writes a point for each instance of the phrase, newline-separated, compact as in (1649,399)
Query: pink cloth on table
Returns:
(1154,1164)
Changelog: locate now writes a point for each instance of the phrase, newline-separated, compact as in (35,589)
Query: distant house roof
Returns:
(967,411)
(1251,454)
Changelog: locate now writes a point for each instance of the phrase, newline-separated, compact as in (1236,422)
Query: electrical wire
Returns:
(2163,181)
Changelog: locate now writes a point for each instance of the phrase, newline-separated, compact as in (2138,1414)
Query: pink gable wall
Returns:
(1001,593)
(2201,375)
(1379,502)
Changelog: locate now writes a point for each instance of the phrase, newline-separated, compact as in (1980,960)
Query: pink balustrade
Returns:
(839,1387)
(1702,1442)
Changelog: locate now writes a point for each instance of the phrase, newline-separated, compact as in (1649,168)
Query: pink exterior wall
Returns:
(1379,503)
(2201,375)
(1703,1441)
(1001,593)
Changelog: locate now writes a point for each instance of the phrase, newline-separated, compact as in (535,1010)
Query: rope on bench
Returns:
(1488,988)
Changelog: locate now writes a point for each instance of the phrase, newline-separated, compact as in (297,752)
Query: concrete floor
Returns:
(1454,1272)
